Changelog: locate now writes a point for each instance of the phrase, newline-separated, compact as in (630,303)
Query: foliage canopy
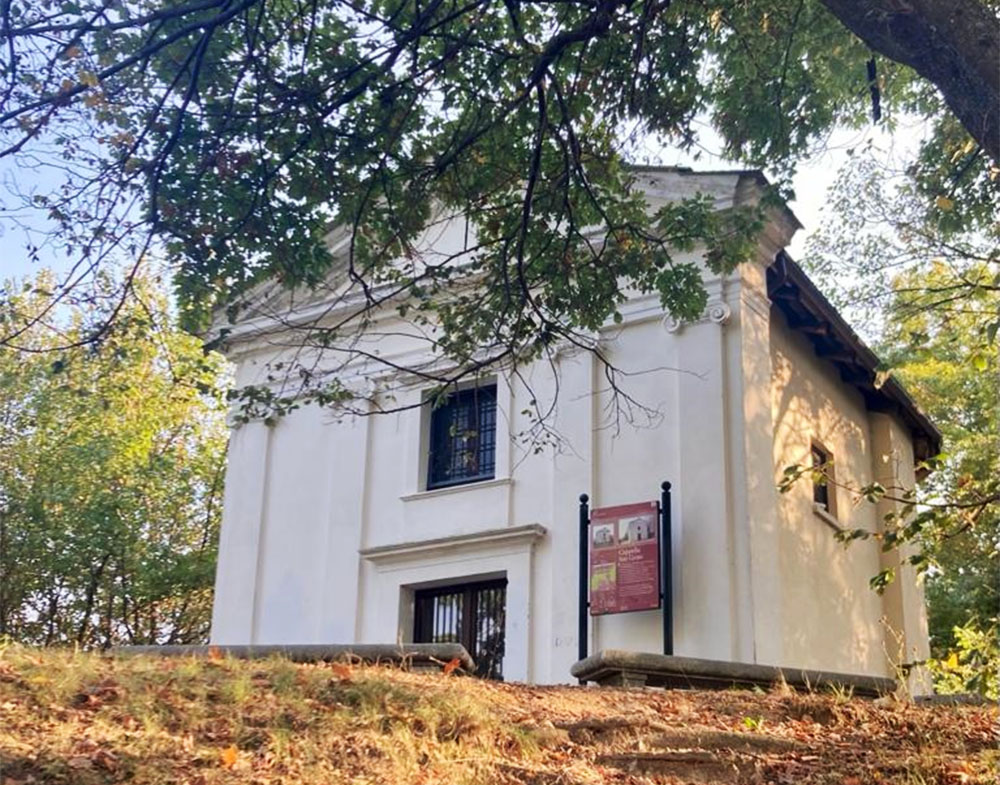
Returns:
(941,355)
(111,466)
(235,131)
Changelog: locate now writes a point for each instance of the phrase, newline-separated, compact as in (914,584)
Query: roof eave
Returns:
(808,311)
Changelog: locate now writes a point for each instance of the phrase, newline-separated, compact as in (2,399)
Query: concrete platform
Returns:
(959,699)
(410,655)
(614,667)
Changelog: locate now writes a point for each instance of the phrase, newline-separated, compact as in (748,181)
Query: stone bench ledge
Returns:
(417,655)
(629,668)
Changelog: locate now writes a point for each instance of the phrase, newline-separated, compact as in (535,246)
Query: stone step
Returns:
(709,739)
(615,667)
(650,733)
(694,766)
(706,756)
(408,655)
(608,730)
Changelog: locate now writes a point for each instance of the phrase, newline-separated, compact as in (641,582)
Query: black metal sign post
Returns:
(582,636)
(666,571)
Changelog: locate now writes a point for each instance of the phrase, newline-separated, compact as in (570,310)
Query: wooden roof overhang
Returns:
(809,312)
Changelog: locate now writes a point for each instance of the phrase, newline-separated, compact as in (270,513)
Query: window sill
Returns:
(450,489)
(824,515)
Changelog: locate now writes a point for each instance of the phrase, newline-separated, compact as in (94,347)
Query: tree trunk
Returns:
(109,618)
(953,43)
(4,577)
(50,631)
(88,609)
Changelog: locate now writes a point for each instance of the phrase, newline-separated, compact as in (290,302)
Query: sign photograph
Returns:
(624,559)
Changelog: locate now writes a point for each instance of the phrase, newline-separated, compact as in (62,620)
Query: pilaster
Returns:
(756,530)
(242,522)
(906,637)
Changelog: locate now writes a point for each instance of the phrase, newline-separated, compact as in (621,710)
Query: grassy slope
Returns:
(81,718)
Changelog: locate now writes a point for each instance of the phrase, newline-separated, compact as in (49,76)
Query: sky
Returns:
(16,224)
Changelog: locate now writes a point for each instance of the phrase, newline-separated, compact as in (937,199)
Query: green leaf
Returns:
(991,331)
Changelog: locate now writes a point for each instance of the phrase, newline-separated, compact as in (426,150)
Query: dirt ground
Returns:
(88,719)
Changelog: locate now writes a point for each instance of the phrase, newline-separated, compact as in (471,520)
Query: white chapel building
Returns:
(371,529)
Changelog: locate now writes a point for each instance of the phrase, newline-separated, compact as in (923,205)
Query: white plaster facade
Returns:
(328,527)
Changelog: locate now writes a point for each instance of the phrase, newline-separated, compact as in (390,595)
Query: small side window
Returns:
(823,491)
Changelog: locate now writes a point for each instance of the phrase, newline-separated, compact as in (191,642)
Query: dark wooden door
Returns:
(472,614)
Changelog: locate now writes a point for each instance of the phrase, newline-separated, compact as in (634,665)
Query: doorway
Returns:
(472,614)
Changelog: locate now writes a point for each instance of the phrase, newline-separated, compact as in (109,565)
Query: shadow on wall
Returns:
(831,616)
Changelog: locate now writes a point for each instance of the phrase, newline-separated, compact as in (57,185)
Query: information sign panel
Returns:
(624,558)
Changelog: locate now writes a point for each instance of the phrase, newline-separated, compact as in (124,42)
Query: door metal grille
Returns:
(471,614)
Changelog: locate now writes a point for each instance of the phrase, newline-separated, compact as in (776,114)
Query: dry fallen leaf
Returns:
(341,671)
(960,773)
(105,760)
(214,653)
(229,756)
(451,666)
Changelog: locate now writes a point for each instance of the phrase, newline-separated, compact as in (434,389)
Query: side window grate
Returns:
(463,438)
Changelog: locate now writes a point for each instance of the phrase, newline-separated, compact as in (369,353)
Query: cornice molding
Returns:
(525,536)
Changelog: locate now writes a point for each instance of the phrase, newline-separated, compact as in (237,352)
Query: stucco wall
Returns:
(831,617)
